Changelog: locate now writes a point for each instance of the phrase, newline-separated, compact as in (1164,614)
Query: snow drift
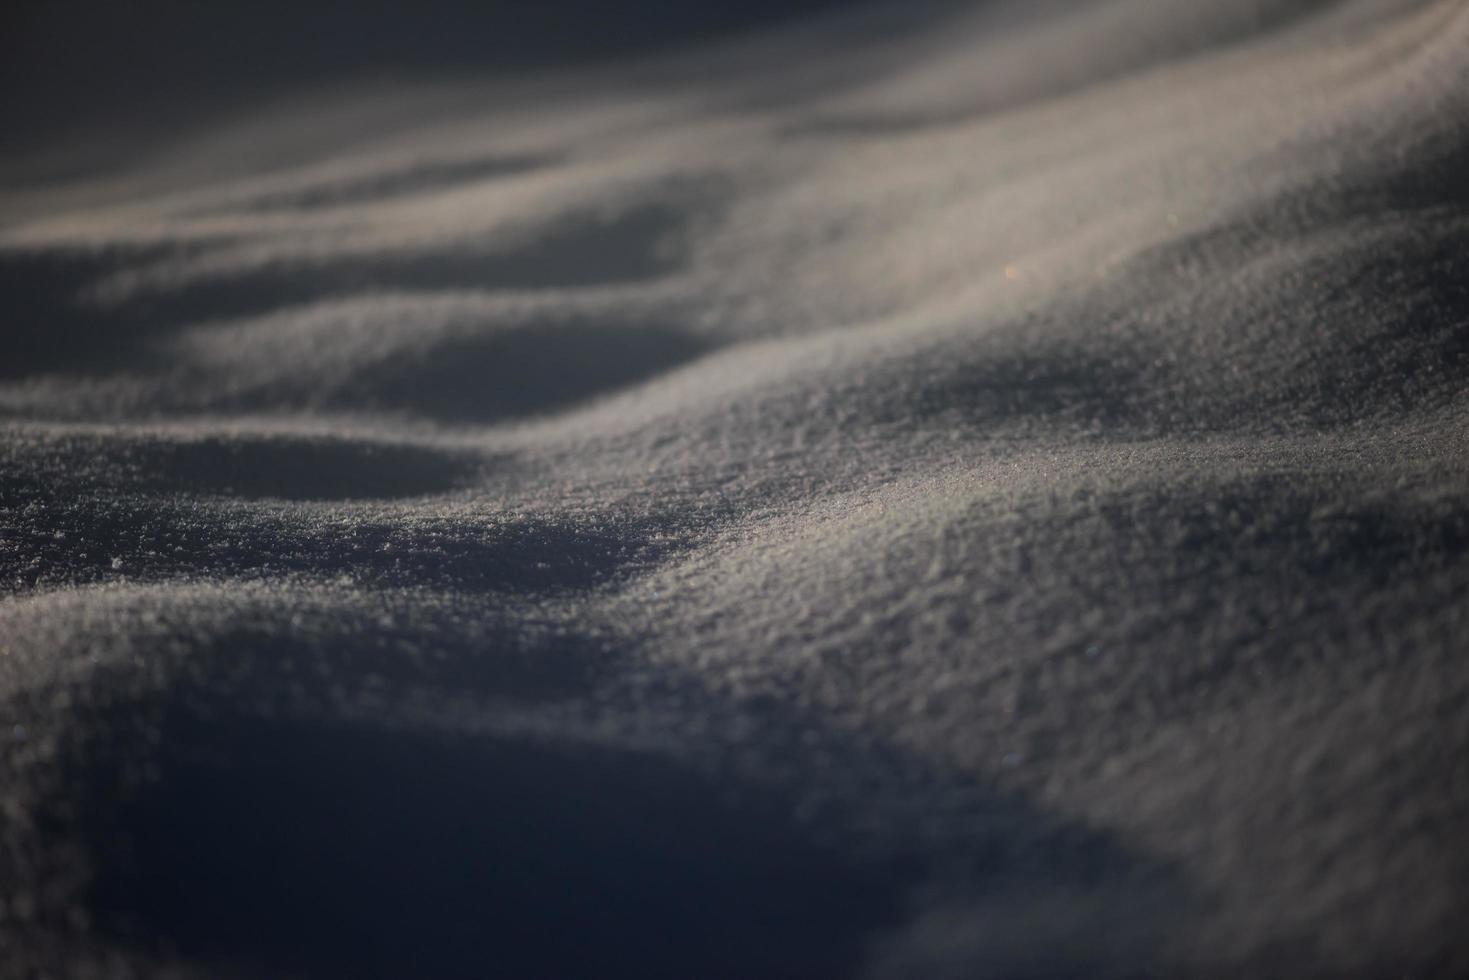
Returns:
(939,492)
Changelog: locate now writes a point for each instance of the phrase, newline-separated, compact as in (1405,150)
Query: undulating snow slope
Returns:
(965,493)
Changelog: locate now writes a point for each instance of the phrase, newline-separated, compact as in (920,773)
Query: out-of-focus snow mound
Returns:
(966,493)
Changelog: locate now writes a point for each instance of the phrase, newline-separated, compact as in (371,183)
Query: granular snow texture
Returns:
(931,493)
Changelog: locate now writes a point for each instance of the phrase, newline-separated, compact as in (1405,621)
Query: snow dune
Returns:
(946,492)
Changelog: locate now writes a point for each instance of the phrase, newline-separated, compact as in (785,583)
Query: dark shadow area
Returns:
(299,469)
(1036,382)
(521,372)
(423,177)
(1007,378)
(89,534)
(151,63)
(348,850)
(246,467)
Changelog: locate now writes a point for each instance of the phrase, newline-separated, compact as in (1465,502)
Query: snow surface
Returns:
(923,493)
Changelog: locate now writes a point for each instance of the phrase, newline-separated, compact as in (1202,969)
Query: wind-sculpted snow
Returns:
(948,493)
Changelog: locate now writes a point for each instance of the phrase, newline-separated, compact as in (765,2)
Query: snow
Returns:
(985,498)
